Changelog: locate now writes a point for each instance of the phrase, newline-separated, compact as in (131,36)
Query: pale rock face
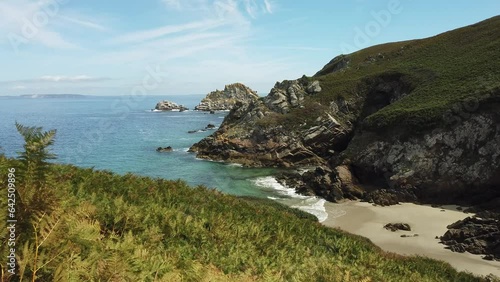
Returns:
(314,87)
(226,99)
(169,106)
(290,94)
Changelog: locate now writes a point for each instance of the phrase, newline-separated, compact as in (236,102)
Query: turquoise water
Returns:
(121,134)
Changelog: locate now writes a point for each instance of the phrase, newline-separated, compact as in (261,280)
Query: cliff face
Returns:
(254,133)
(226,99)
(395,122)
(460,162)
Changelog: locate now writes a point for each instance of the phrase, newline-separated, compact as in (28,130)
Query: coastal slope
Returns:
(404,121)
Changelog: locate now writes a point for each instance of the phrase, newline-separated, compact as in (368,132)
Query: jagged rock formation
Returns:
(169,106)
(226,99)
(408,121)
(290,94)
(255,134)
(474,235)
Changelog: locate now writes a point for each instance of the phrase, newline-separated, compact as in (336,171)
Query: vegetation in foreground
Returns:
(79,224)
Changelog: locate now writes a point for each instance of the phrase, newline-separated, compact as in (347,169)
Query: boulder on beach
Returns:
(474,235)
(397,226)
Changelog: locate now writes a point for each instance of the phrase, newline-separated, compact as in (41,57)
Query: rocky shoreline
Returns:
(360,130)
(475,235)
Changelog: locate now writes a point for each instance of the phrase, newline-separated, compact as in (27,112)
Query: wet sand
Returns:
(367,220)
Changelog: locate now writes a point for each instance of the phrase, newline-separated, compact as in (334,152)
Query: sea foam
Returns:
(288,196)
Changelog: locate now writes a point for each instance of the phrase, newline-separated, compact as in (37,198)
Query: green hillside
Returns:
(459,66)
(84,225)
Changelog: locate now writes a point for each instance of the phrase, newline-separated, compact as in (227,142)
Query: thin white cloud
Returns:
(18,87)
(251,8)
(268,6)
(144,35)
(76,78)
(19,20)
(54,40)
(168,48)
(85,23)
(175,4)
(299,48)
(222,8)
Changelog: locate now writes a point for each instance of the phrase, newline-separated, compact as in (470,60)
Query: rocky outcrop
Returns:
(252,133)
(226,99)
(474,235)
(209,126)
(397,226)
(169,106)
(290,94)
(322,182)
(164,149)
(393,123)
(389,197)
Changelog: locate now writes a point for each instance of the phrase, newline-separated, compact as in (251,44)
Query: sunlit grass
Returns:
(129,228)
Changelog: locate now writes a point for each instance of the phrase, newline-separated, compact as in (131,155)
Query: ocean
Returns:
(121,134)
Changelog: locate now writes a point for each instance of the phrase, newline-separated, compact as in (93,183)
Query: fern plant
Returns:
(33,175)
(36,153)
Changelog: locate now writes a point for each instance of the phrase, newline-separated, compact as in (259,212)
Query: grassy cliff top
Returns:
(441,71)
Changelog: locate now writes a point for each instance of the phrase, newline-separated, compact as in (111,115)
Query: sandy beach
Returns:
(367,220)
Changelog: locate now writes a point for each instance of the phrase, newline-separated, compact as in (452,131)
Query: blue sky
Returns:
(163,47)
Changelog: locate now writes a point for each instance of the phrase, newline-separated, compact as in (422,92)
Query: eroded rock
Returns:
(224,100)
(474,235)
(169,106)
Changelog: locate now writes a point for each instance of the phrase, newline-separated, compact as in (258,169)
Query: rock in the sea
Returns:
(226,99)
(210,126)
(323,182)
(169,106)
(397,226)
(474,235)
(164,149)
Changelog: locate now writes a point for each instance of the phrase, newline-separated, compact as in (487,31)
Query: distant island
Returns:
(226,99)
(36,96)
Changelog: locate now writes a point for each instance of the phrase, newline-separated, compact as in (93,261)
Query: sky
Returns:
(177,47)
